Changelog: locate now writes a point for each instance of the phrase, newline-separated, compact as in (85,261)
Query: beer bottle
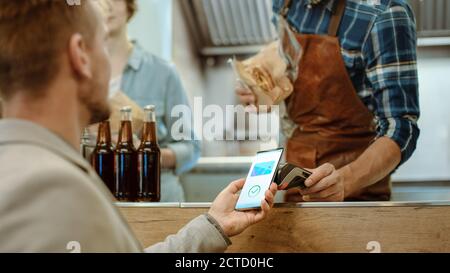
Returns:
(149,159)
(126,160)
(85,144)
(102,157)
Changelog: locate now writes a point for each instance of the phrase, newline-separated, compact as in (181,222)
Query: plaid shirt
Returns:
(378,45)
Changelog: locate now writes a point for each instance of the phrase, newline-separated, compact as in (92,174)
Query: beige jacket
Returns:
(50,196)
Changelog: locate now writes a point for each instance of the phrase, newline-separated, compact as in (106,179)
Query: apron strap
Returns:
(338,13)
(285,10)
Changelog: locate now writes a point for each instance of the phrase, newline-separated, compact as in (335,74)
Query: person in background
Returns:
(52,89)
(147,79)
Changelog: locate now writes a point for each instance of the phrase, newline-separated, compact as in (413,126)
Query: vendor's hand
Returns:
(235,222)
(326,184)
(246,98)
(168,159)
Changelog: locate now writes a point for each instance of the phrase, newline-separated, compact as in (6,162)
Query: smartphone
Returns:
(259,179)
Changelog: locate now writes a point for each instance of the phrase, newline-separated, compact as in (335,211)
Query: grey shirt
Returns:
(50,196)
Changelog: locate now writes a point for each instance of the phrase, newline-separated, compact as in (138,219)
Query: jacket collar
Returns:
(17,131)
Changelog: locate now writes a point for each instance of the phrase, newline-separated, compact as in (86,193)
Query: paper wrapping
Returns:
(118,101)
(265,75)
(271,74)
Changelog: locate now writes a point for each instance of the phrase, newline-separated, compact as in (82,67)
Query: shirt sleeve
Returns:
(391,69)
(199,236)
(183,141)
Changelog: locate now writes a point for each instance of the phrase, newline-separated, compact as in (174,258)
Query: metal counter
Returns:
(297,205)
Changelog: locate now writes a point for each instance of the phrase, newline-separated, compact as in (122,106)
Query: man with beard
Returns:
(54,74)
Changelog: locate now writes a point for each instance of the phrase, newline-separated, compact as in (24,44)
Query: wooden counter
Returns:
(332,227)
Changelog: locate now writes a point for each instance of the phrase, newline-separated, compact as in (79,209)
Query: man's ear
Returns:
(79,57)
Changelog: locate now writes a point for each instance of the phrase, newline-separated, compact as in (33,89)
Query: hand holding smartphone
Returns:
(259,179)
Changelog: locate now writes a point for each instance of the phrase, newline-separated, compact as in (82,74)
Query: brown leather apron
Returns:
(333,124)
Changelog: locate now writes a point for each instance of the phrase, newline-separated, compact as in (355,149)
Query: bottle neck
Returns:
(126,132)
(104,133)
(126,115)
(149,116)
(149,133)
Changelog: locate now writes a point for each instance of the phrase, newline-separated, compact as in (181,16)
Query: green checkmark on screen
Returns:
(254,191)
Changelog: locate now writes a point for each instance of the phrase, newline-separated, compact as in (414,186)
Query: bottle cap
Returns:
(150,108)
(126,109)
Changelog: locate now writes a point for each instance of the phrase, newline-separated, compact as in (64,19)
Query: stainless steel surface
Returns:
(430,203)
(196,205)
(433,41)
(418,170)
(147,205)
(229,25)
(223,27)
(231,50)
(223,164)
(432,16)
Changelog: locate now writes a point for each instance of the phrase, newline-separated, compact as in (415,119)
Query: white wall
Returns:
(152,27)
(431,160)
(185,56)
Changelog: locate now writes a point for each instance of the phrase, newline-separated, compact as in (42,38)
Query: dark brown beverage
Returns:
(149,160)
(102,157)
(126,161)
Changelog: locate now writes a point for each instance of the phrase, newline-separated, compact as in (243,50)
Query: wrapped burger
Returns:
(271,74)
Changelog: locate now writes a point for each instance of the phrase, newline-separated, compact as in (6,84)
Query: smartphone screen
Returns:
(259,178)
